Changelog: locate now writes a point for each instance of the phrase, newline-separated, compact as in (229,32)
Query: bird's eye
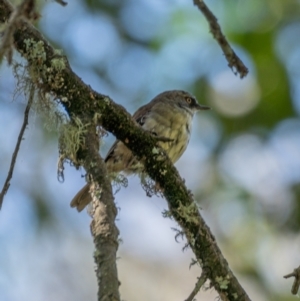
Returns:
(188,100)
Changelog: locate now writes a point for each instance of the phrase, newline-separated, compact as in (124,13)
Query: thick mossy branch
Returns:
(81,101)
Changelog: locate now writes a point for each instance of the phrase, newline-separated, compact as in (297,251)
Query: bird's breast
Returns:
(174,125)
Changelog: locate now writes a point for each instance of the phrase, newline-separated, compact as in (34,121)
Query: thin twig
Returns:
(61,2)
(234,62)
(296,283)
(198,285)
(27,10)
(17,148)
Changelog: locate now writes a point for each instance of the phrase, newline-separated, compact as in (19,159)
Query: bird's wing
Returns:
(142,113)
(139,116)
(111,151)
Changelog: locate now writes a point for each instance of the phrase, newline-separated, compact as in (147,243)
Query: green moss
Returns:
(155,151)
(72,138)
(167,214)
(97,117)
(35,51)
(58,64)
(97,253)
(188,212)
(223,282)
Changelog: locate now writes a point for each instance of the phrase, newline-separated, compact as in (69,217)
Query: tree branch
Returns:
(25,10)
(296,284)
(103,226)
(78,99)
(201,280)
(17,148)
(61,2)
(233,60)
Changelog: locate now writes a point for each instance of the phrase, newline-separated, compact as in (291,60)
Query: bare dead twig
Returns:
(198,285)
(25,10)
(15,153)
(296,284)
(61,2)
(234,62)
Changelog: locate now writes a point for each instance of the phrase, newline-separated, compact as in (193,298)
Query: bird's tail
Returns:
(82,198)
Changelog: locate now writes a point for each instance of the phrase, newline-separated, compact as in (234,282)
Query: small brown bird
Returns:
(169,115)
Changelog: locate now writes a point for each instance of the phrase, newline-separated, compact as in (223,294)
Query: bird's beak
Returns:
(201,107)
